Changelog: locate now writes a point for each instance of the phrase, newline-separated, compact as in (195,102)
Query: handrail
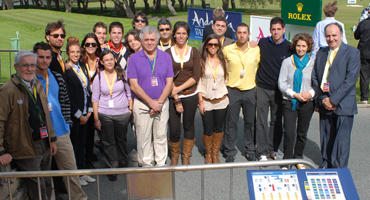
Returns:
(132,170)
(16,50)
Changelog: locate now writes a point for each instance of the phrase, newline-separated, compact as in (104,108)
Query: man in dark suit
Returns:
(334,80)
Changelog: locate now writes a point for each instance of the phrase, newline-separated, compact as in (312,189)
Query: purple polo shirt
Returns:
(139,68)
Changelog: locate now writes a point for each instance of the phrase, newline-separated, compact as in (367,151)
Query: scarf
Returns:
(298,75)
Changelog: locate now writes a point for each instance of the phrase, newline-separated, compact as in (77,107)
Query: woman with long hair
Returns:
(212,93)
(184,101)
(112,105)
(298,105)
(133,41)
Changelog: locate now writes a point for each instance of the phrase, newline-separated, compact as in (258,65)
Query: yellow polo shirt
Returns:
(237,60)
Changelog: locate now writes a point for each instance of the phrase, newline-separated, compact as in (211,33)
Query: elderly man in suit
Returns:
(334,80)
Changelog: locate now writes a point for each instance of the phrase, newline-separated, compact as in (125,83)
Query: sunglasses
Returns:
(92,44)
(212,44)
(140,20)
(57,35)
(162,29)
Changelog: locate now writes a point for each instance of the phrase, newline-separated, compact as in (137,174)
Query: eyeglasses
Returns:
(140,20)
(90,44)
(162,29)
(57,35)
(26,65)
(212,44)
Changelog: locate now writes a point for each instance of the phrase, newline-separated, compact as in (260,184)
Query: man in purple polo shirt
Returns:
(150,74)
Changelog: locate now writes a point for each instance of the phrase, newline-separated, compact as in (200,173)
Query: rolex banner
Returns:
(301,12)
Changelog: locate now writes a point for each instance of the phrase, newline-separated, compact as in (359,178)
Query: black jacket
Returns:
(362,33)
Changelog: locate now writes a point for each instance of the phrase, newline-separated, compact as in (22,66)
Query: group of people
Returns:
(154,80)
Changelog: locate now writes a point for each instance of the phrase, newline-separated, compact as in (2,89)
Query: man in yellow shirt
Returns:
(242,67)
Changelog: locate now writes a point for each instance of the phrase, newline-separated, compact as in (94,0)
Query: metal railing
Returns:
(184,168)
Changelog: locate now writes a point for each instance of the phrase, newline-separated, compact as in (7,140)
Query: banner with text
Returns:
(199,18)
(301,12)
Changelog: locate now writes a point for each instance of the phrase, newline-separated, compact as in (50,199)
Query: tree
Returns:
(8,4)
(170,7)
(132,5)
(181,2)
(147,8)
(225,4)
(124,8)
(68,5)
(256,3)
(233,4)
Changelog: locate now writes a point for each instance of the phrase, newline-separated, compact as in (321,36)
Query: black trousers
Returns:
(364,79)
(296,124)
(78,139)
(247,101)
(213,121)
(89,148)
(190,105)
(268,140)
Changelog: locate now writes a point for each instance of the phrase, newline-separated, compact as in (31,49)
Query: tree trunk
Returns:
(21,2)
(157,6)
(129,12)
(233,4)
(27,3)
(170,7)
(173,3)
(48,3)
(225,4)
(192,4)
(147,8)
(68,5)
(203,4)
(56,5)
(132,5)
(8,4)
(181,2)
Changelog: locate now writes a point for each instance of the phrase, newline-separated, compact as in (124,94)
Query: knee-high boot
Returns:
(175,152)
(207,141)
(186,151)
(216,144)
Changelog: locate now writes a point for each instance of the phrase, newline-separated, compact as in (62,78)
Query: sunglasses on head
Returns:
(140,20)
(57,35)
(92,44)
(162,29)
(212,44)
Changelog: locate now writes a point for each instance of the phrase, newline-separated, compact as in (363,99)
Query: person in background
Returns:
(132,41)
(100,30)
(140,20)
(217,12)
(78,86)
(112,106)
(319,40)
(295,85)
(115,44)
(184,100)
(165,31)
(212,94)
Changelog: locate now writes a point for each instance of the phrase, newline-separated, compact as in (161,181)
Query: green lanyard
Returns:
(33,97)
(152,65)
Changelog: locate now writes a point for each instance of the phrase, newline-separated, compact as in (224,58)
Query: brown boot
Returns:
(207,140)
(175,152)
(216,145)
(186,151)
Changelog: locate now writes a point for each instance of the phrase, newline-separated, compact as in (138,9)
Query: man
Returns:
(165,31)
(60,114)
(55,34)
(100,30)
(319,40)
(274,50)
(362,33)
(115,44)
(217,12)
(334,80)
(219,27)
(242,66)
(150,74)
(140,20)
(26,131)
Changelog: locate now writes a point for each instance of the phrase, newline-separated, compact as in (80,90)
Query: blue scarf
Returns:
(298,75)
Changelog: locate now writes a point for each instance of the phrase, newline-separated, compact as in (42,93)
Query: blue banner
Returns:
(199,18)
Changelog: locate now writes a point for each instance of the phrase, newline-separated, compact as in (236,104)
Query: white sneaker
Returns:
(82,182)
(276,156)
(88,178)
(263,158)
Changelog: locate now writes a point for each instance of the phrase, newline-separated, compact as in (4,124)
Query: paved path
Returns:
(217,181)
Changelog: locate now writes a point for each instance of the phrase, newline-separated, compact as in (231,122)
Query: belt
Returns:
(214,101)
(186,92)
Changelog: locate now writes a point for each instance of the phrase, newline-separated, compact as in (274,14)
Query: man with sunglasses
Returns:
(115,44)
(55,34)
(243,60)
(165,31)
(140,21)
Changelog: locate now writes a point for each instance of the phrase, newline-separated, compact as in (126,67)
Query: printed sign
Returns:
(301,12)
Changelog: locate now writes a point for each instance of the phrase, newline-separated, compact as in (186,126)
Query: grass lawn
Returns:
(31,22)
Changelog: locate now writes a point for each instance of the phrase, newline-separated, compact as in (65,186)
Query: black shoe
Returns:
(250,157)
(229,159)
(112,177)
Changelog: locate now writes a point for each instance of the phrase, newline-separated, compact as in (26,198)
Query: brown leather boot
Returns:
(186,151)
(207,141)
(175,152)
(216,145)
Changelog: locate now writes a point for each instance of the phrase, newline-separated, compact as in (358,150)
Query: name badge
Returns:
(214,86)
(50,108)
(154,81)
(242,73)
(43,132)
(326,87)
(111,103)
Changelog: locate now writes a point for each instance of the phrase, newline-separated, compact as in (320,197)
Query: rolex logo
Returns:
(299,7)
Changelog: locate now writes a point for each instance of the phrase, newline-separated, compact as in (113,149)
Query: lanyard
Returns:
(120,52)
(181,57)
(152,65)
(78,74)
(214,73)
(47,84)
(33,97)
(88,68)
(60,59)
(222,42)
(110,86)
(160,42)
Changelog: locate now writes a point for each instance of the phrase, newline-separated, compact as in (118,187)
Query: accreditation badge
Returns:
(110,103)
(326,87)
(43,132)
(154,81)
(50,108)
(214,86)
(242,73)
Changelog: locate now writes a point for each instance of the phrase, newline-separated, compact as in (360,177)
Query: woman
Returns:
(295,85)
(132,41)
(212,93)
(79,91)
(186,66)
(90,57)
(112,111)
